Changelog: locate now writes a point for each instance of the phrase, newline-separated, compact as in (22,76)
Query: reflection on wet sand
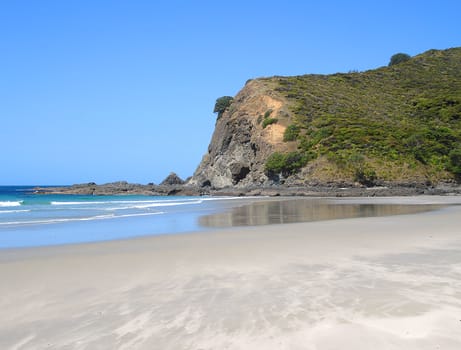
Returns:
(304,210)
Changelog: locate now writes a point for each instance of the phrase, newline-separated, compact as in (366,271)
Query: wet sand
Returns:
(390,282)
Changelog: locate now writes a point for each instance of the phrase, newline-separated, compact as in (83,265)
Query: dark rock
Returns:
(240,145)
(206,183)
(308,190)
(172,179)
(239,171)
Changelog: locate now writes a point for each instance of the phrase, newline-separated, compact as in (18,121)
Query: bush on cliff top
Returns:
(399,58)
(222,103)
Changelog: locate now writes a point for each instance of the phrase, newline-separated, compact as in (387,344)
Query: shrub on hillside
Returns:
(291,133)
(399,58)
(285,163)
(455,162)
(269,121)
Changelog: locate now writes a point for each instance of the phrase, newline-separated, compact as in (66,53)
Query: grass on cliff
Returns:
(367,123)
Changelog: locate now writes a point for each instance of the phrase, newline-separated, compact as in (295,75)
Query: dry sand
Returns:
(371,283)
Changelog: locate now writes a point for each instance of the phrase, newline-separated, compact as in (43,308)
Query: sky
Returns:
(101,91)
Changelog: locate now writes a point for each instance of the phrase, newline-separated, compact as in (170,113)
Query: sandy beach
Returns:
(391,282)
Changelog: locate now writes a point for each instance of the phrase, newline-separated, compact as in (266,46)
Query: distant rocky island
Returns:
(391,130)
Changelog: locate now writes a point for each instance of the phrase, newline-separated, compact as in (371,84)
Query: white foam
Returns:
(160,204)
(77,203)
(91,218)
(151,205)
(139,214)
(13,211)
(134,204)
(54,221)
(10,203)
(231,198)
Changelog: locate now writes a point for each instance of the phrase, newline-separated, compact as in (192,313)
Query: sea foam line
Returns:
(92,218)
(77,203)
(160,204)
(10,203)
(13,211)
(157,202)
(138,204)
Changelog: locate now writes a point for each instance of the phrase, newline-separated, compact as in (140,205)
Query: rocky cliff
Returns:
(242,142)
(398,124)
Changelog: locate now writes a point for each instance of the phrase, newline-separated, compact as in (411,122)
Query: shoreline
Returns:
(239,212)
(440,203)
(385,282)
(308,190)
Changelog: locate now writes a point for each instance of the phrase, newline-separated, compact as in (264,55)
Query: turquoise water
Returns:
(28,219)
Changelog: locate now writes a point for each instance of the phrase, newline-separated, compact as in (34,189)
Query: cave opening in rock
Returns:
(239,173)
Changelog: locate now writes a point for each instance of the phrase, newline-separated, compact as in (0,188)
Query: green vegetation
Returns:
(455,161)
(291,133)
(363,172)
(371,125)
(269,121)
(222,104)
(266,120)
(285,164)
(399,58)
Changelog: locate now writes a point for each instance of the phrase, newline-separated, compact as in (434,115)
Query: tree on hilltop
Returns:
(399,58)
(222,104)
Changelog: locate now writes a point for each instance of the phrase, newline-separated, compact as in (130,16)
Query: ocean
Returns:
(28,219)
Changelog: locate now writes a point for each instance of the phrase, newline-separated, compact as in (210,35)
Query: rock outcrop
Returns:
(172,179)
(242,142)
(125,188)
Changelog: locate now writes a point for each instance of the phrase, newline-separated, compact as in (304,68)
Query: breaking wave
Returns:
(10,203)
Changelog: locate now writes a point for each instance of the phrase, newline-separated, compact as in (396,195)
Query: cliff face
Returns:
(396,124)
(241,141)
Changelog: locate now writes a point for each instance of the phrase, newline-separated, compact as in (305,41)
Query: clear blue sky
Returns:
(124,90)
